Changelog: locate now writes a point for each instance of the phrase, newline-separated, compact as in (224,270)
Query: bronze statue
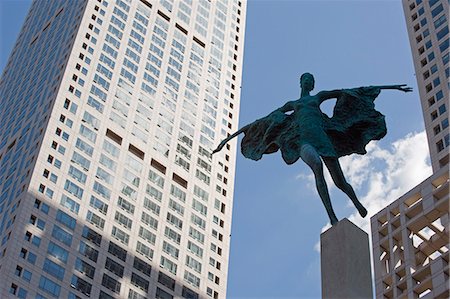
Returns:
(299,129)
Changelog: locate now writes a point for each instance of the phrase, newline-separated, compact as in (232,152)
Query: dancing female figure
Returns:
(299,129)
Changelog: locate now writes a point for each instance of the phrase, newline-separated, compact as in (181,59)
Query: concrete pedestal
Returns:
(345,262)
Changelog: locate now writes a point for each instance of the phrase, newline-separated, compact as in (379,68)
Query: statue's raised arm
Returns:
(312,136)
(226,140)
(401,87)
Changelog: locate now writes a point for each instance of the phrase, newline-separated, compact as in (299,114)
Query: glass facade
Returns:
(111,109)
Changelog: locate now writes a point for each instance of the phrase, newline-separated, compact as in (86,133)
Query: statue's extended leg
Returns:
(338,178)
(310,156)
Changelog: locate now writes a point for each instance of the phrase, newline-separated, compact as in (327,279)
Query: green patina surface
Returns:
(299,129)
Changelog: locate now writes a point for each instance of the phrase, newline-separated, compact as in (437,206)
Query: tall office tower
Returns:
(410,237)
(428,30)
(109,112)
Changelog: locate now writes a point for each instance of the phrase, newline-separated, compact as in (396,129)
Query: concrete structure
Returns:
(428,31)
(411,235)
(345,262)
(109,112)
(411,241)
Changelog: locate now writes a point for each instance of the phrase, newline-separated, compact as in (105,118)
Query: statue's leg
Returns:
(310,156)
(339,180)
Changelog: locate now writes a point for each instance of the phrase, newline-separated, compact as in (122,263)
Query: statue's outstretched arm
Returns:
(289,106)
(226,140)
(332,94)
(401,87)
(329,94)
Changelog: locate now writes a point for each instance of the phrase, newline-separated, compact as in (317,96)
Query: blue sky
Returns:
(278,216)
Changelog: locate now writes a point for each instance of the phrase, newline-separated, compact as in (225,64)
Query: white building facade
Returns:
(411,235)
(428,31)
(110,110)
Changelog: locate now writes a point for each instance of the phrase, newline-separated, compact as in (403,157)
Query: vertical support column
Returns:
(345,262)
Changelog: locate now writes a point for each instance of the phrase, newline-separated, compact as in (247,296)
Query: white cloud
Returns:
(383,175)
(389,173)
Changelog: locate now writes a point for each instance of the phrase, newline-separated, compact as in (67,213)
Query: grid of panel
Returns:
(411,242)
(124,180)
(427,23)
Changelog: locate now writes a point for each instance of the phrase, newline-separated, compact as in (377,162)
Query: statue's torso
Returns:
(307,111)
(305,126)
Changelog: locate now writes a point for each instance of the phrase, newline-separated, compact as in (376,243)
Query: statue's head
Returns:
(307,81)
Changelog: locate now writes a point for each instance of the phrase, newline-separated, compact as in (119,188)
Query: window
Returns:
(31,258)
(123,220)
(98,205)
(171,250)
(117,251)
(149,220)
(49,286)
(111,148)
(88,251)
(172,235)
(439,95)
(111,284)
(161,294)
(191,278)
(193,264)
(178,193)
(175,221)
(147,235)
(120,235)
(66,220)
(95,220)
(144,250)
(81,285)
(153,192)
(84,147)
(85,268)
(169,265)
(102,190)
(439,146)
(54,269)
(197,250)
(444,46)
(57,252)
(114,267)
(140,282)
(90,119)
(196,235)
(437,10)
(131,178)
(125,205)
(198,206)
(135,295)
(175,206)
(13,289)
(104,175)
(61,235)
(88,133)
(189,294)
(80,160)
(92,236)
(436,82)
(26,275)
(198,221)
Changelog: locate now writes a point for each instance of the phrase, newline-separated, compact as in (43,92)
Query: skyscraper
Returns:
(411,236)
(109,112)
(428,31)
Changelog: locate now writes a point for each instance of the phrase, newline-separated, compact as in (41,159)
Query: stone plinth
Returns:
(345,262)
